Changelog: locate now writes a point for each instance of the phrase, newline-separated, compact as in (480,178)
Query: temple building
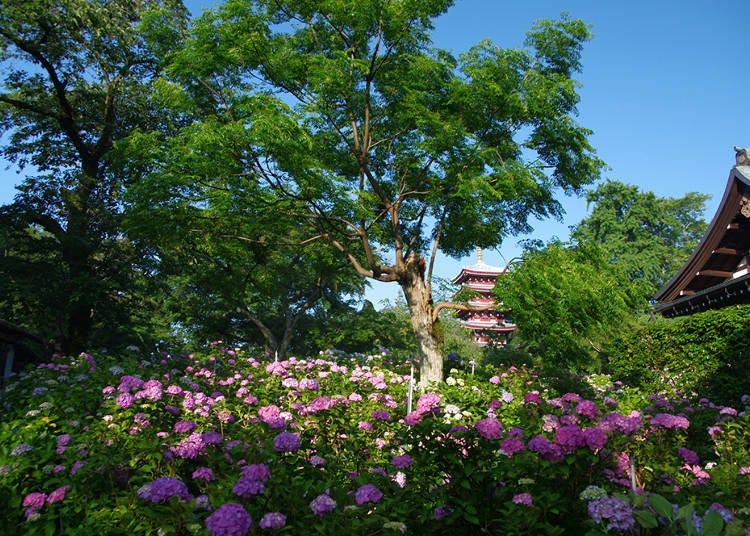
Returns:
(491,325)
(718,272)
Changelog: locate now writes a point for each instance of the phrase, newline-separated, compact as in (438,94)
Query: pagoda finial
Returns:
(479,255)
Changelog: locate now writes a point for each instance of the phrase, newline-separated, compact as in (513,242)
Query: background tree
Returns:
(569,302)
(75,80)
(256,296)
(648,237)
(383,146)
(362,329)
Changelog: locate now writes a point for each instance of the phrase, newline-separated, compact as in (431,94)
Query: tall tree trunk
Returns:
(82,285)
(419,301)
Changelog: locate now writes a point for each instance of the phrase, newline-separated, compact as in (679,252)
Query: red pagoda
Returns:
(490,324)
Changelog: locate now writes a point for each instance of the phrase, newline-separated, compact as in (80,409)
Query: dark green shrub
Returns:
(706,353)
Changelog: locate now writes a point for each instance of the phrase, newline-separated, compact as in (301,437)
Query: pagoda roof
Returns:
(478,269)
(716,274)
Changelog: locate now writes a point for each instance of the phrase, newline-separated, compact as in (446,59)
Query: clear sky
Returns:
(664,88)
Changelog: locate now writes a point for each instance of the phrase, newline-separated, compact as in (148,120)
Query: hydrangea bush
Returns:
(230,444)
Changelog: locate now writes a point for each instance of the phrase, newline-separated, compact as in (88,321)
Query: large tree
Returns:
(646,236)
(75,80)
(388,149)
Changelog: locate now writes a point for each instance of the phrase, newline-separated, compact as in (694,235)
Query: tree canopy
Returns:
(75,80)
(341,114)
(569,302)
(648,237)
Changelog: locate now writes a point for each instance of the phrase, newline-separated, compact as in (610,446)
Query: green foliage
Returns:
(647,237)
(343,113)
(360,330)
(568,303)
(706,353)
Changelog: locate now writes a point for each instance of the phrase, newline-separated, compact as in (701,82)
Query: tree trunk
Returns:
(429,342)
(81,288)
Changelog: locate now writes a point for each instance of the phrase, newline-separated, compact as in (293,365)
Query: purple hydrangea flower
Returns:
(588,409)
(256,471)
(246,488)
(202,503)
(546,449)
(163,488)
(523,498)
(489,428)
(286,442)
(129,382)
(726,514)
(322,504)
(442,511)
(317,461)
(688,456)
(595,438)
(665,420)
(184,427)
(229,519)
(204,473)
(381,415)
(570,438)
(368,493)
(212,438)
(532,398)
(21,448)
(152,390)
(309,384)
(272,520)
(402,462)
(125,400)
(190,447)
(512,446)
(63,440)
(617,512)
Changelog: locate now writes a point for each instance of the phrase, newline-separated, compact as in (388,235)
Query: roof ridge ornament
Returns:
(741,156)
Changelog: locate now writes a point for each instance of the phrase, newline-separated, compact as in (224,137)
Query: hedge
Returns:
(706,353)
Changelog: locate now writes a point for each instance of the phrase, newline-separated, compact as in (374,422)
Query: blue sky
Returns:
(664,88)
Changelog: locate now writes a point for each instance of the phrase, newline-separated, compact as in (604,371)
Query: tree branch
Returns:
(458,307)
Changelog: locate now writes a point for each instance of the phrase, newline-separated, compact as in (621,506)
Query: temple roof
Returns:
(715,275)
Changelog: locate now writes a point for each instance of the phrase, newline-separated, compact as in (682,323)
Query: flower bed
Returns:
(234,445)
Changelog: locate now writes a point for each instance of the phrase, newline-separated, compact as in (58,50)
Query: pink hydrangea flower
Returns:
(58,495)
(34,500)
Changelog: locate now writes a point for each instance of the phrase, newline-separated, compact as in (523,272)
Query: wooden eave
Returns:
(720,255)
(13,334)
